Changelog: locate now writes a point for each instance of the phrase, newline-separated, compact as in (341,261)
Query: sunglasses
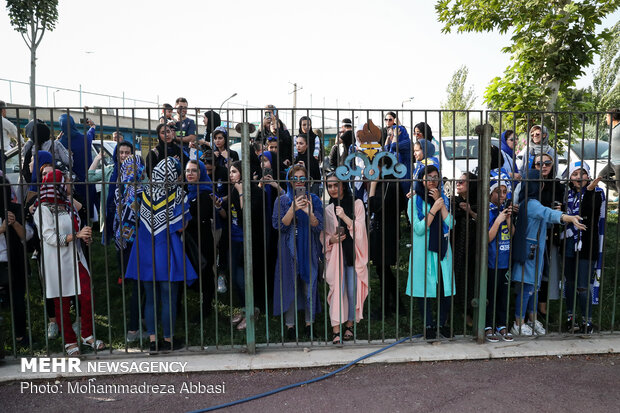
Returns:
(545,163)
(460,182)
(389,119)
(299,178)
(272,138)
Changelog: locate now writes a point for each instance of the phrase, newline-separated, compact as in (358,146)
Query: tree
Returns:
(606,81)
(552,42)
(459,98)
(31,18)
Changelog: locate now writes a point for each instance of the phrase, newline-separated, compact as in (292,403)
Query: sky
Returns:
(345,54)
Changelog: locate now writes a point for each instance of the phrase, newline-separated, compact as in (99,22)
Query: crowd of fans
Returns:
(175,216)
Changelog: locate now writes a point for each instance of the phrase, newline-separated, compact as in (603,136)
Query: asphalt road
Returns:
(543,384)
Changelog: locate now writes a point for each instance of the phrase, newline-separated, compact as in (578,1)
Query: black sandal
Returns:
(348,329)
(336,338)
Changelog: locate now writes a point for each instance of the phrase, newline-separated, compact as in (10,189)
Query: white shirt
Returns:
(4,257)
(8,131)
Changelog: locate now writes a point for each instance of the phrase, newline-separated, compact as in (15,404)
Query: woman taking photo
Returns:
(66,270)
(298,216)
(430,261)
(346,256)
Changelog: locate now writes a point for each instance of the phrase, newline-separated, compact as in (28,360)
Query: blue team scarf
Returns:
(435,242)
(302,238)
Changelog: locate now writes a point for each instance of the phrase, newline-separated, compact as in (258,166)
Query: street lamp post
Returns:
(402,105)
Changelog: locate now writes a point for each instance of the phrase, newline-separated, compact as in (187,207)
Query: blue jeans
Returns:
(236,270)
(166,296)
(524,307)
(584,292)
(350,281)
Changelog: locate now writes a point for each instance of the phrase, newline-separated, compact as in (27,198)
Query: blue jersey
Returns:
(502,239)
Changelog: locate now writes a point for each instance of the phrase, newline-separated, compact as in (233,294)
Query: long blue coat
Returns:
(418,272)
(539,218)
(285,278)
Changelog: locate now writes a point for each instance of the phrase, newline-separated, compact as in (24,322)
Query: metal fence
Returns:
(317,236)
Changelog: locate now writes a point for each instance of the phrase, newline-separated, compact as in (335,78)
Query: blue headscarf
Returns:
(204,183)
(435,243)
(81,149)
(428,149)
(43,158)
(505,148)
(519,244)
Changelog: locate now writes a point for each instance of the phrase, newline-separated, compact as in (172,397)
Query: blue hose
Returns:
(301,383)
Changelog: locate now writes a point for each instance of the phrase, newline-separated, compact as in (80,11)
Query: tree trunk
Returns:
(33,68)
(554,85)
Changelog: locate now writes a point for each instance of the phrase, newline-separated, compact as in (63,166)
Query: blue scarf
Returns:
(302,238)
(505,146)
(435,242)
(125,197)
(43,158)
(204,184)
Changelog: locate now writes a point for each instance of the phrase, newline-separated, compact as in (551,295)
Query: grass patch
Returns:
(111,307)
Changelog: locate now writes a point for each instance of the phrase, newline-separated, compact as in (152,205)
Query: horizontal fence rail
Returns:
(217,230)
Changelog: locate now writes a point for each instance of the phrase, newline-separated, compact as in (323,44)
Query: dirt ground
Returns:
(542,384)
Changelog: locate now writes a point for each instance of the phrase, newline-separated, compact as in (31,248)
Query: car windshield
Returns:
(591,150)
(462,148)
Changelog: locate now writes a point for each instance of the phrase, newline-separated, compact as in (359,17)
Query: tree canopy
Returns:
(459,97)
(552,42)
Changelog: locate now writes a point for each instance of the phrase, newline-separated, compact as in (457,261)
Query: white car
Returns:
(459,154)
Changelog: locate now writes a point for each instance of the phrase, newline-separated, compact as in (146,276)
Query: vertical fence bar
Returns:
(247,237)
(483,215)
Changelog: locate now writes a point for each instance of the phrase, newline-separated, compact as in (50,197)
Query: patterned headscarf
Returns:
(163,199)
(126,194)
(53,194)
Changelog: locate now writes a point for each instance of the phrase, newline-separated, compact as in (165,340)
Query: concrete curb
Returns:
(321,356)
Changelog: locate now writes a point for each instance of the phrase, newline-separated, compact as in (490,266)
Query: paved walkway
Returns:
(319,356)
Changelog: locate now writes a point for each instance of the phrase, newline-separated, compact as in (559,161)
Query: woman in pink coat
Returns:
(346,257)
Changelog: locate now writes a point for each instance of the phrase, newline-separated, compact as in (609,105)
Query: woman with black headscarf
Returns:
(430,261)
(346,258)
(166,147)
(465,208)
(384,233)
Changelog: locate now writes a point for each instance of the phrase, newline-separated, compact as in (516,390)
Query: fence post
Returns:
(484,133)
(247,236)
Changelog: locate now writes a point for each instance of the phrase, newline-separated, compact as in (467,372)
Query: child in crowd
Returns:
(583,250)
(500,231)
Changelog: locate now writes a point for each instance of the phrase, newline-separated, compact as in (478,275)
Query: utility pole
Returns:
(294,92)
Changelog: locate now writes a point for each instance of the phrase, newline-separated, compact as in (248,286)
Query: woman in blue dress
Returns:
(164,213)
(298,216)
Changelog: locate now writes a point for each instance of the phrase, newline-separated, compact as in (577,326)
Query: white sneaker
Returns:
(538,328)
(526,330)
(52,330)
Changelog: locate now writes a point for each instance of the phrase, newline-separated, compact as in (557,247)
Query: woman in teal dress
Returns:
(431,256)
